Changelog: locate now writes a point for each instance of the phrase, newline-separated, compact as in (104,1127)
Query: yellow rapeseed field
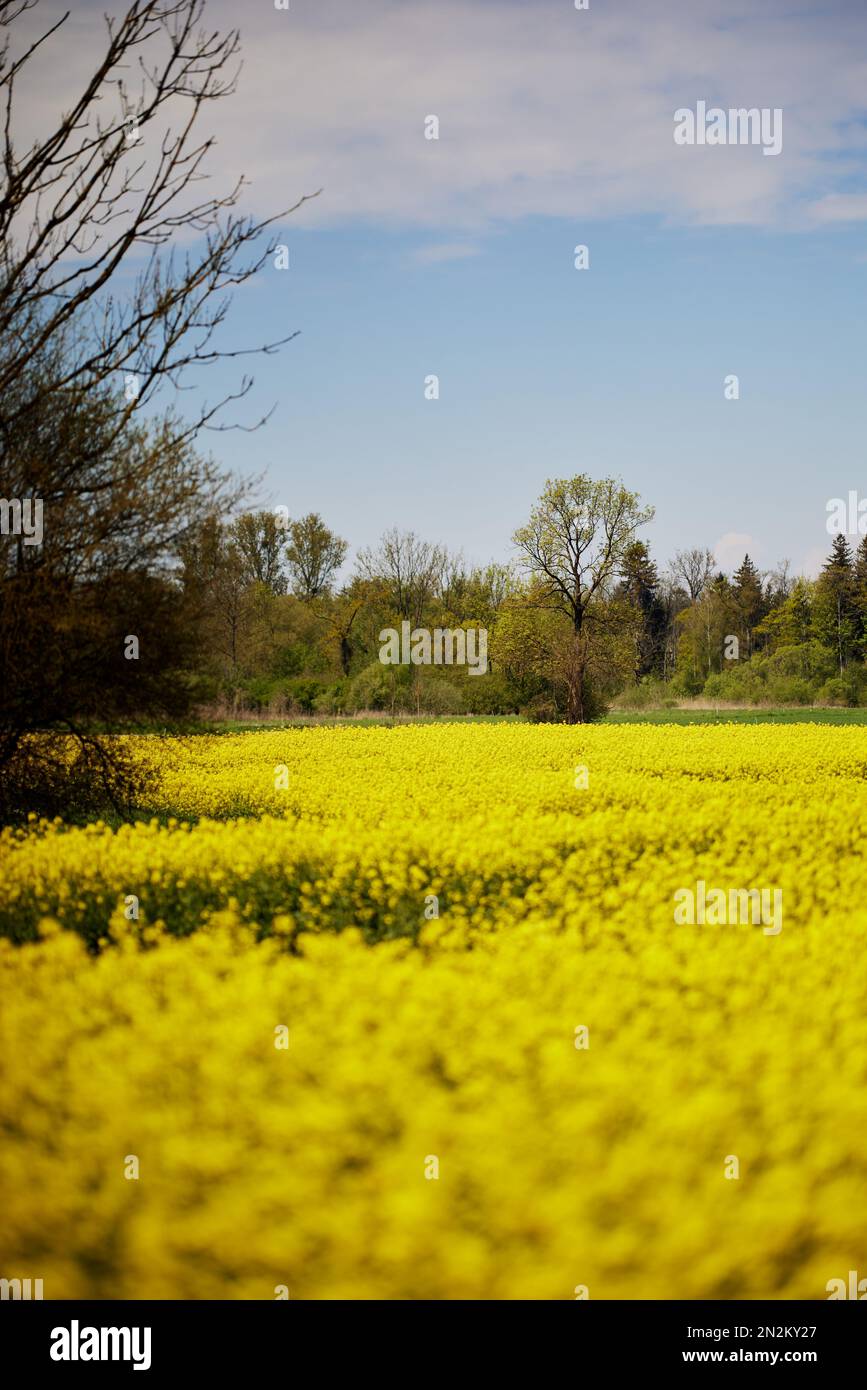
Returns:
(407,1013)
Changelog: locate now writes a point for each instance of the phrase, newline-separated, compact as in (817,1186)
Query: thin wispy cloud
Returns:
(840,207)
(543,110)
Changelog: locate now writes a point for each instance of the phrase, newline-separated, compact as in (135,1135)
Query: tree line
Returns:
(581,614)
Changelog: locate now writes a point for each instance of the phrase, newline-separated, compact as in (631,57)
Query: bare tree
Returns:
(411,569)
(779,582)
(119,173)
(693,569)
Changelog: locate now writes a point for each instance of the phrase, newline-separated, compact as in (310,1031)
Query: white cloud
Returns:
(813,561)
(544,110)
(731,548)
(547,111)
(840,207)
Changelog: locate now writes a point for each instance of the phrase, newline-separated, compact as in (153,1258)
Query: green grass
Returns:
(379,721)
(792,715)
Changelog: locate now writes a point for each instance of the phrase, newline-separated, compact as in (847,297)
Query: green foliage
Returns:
(542,710)
(490,694)
(380,687)
(591,620)
(740,684)
(291,660)
(808,660)
(686,681)
(303,693)
(441,697)
(789,690)
(837,691)
(649,693)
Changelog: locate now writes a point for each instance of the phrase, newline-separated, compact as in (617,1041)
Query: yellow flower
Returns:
(427,1026)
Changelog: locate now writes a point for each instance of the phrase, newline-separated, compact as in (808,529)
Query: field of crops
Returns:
(407,1013)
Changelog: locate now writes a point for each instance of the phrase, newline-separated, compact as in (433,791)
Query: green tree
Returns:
(704,627)
(861,595)
(750,600)
(260,539)
(836,619)
(116,275)
(314,555)
(789,624)
(573,548)
(640,586)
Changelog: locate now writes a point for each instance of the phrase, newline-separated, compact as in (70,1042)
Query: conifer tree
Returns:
(750,599)
(835,610)
(640,587)
(861,595)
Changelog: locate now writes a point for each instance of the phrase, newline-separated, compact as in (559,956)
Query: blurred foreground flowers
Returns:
(594,1157)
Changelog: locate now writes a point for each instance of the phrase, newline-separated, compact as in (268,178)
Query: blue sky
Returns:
(455,257)
(545,371)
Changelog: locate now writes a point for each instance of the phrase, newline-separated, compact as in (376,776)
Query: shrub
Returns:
(789,691)
(738,684)
(808,660)
(333,700)
(687,683)
(380,687)
(542,710)
(490,694)
(303,692)
(837,691)
(442,697)
(649,693)
(258,694)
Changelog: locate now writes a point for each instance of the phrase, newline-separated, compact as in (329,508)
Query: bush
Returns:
(789,691)
(303,693)
(490,694)
(686,683)
(649,693)
(333,700)
(258,694)
(856,676)
(837,691)
(380,687)
(714,688)
(542,710)
(808,660)
(441,697)
(738,684)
